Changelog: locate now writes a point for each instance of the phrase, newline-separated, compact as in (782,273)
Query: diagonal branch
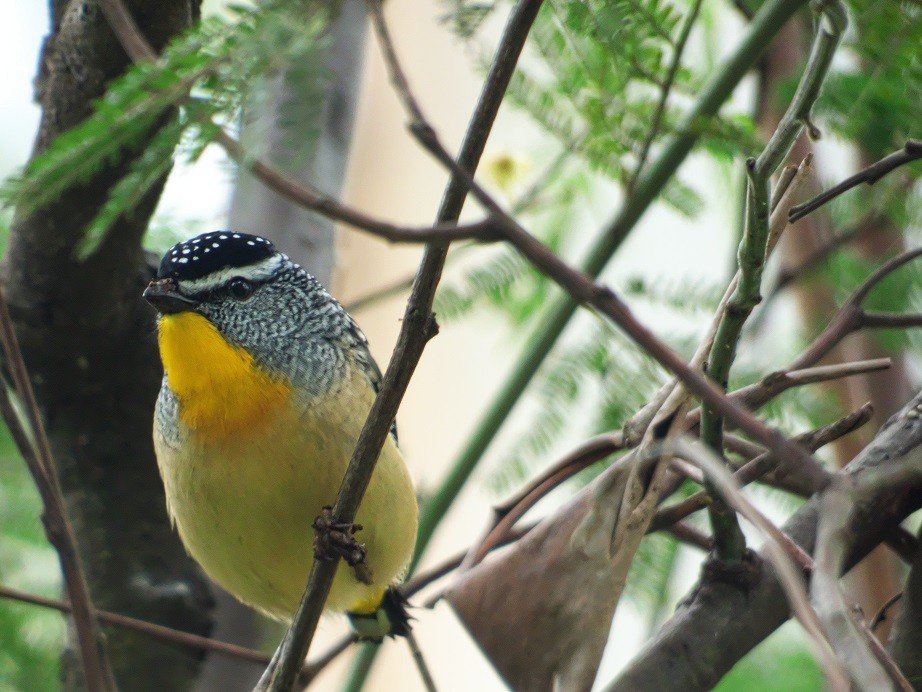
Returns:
(139,49)
(911,151)
(417,328)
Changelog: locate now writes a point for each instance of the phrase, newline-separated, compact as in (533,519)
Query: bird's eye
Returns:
(239,288)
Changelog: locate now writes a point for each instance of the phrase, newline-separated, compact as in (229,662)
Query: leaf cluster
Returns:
(875,100)
(203,78)
(602,72)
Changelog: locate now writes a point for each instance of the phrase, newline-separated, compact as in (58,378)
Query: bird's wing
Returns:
(369,366)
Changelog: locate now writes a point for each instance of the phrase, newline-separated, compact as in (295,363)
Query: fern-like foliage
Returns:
(503,280)
(590,386)
(204,77)
(876,101)
(601,72)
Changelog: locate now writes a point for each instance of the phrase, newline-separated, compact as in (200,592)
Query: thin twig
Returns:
(689,534)
(167,634)
(882,614)
(60,532)
(773,384)
(911,151)
(509,512)
(665,90)
(420,661)
(851,317)
(310,198)
(139,49)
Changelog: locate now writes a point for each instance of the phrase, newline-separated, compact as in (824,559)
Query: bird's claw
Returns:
(334,539)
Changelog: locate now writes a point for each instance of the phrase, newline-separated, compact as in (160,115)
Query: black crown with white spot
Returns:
(213,252)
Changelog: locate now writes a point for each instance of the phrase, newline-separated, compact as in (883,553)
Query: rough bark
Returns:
(89,344)
(906,636)
(719,622)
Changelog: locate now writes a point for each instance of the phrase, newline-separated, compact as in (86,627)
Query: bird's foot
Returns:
(334,539)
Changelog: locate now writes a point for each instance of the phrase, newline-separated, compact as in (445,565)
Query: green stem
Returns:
(729,542)
(361,666)
(764,26)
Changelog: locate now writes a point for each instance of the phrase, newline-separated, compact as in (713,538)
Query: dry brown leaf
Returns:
(541,611)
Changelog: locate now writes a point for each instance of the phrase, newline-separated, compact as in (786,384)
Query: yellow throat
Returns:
(221,390)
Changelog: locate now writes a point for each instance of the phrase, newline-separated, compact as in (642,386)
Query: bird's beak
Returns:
(164,295)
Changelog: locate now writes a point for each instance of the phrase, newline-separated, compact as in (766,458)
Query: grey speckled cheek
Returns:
(293,327)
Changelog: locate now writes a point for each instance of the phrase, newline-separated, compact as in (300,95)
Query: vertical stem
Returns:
(96,670)
(729,542)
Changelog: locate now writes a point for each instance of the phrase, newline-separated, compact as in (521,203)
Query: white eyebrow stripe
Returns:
(254,272)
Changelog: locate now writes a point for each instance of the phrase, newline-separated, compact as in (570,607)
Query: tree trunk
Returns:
(88,341)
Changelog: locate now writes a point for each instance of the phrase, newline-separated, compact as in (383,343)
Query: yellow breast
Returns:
(219,386)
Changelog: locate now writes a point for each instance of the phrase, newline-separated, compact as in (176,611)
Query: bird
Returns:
(267,384)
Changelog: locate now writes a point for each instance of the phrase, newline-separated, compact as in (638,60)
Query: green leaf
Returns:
(781,662)
(203,77)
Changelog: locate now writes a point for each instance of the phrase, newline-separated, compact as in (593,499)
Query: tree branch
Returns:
(417,328)
(729,542)
(911,151)
(718,624)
